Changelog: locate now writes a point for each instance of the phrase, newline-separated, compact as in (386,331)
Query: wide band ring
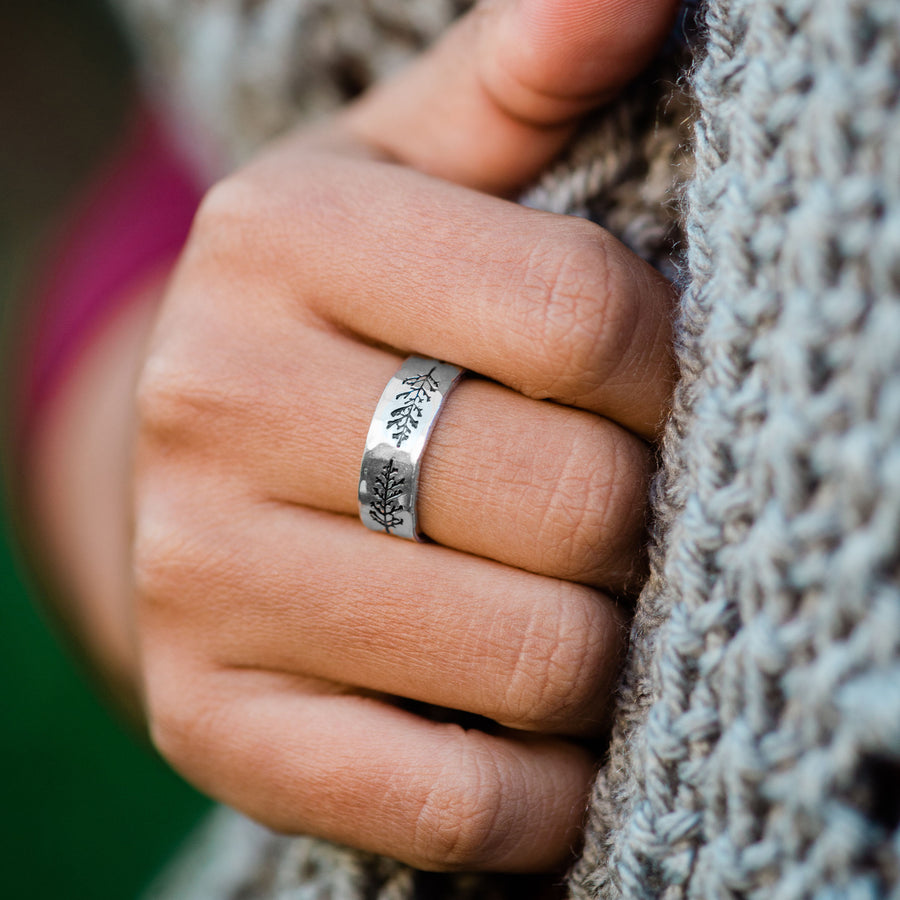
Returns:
(401,426)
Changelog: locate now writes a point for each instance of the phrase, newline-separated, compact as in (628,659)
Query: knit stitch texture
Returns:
(756,751)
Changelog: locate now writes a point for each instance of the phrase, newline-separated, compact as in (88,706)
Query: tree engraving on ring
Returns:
(405,418)
(385,506)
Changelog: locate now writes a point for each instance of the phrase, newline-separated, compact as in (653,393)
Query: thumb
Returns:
(492,102)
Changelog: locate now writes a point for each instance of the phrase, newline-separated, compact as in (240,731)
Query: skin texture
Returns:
(265,629)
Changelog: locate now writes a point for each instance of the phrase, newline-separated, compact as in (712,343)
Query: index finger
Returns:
(552,306)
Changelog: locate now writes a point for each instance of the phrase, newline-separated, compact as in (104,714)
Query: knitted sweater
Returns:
(756,749)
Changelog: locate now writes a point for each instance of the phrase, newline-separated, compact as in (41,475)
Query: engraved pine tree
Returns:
(406,418)
(385,506)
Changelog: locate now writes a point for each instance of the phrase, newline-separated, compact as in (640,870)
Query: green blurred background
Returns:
(86,811)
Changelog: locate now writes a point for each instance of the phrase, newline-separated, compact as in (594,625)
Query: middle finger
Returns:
(539,486)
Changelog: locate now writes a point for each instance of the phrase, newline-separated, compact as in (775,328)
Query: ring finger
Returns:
(546,488)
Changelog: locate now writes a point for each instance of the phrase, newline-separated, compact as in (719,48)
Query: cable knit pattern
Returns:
(756,751)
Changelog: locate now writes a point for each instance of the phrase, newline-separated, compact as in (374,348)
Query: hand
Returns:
(273,627)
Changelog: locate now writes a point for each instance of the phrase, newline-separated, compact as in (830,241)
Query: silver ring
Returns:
(401,426)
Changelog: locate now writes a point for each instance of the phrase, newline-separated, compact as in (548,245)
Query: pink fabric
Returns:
(131,218)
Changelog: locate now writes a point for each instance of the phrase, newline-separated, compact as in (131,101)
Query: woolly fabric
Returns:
(756,751)
(238,72)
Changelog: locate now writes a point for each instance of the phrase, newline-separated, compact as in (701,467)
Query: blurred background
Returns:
(87,812)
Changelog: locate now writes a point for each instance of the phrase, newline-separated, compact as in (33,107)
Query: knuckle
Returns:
(181,553)
(574,519)
(183,725)
(170,398)
(592,512)
(559,665)
(181,712)
(457,823)
(182,574)
(191,395)
(628,467)
(241,225)
(583,323)
(158,560)
(253,215)
(189,376)
(227,210)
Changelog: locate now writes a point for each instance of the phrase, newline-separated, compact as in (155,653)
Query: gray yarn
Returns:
(758,754)
(238,72)
(756,751)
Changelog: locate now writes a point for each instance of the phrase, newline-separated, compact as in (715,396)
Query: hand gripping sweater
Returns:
(756,750)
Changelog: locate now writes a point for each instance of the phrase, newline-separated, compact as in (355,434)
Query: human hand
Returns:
(274,628)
